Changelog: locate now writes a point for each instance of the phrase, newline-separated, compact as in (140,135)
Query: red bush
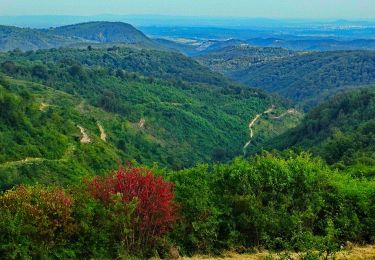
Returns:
(154,196)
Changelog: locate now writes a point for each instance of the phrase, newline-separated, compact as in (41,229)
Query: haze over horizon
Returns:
(288,9)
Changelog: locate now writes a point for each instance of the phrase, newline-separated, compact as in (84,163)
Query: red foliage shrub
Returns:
(154,199)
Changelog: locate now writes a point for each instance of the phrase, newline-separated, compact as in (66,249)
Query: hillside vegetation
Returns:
(172,113)
(312,78)
(341,131)
(290,202)
(29,39)
(151,63)
(240,57)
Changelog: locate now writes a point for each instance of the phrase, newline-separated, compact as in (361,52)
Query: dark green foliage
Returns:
(277,202)
(155,64)
(341,131)
(240,57)
(296,203)
(310,78)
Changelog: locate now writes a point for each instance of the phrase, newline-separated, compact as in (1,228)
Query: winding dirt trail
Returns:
(29,160)
(258,116)
(103,135)
(85,139)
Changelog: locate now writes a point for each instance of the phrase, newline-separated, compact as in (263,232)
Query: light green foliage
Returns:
(155,107)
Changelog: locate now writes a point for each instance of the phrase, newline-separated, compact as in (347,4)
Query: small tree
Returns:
(153,197)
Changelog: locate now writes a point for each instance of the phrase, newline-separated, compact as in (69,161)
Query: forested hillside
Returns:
(312,78)
(341,131)
(174,112)
(83,34)
(240,57)
(104,32)
(29,39)
(151,63)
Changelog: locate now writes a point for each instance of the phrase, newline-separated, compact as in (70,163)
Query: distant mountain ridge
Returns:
(103,32)
(27,39)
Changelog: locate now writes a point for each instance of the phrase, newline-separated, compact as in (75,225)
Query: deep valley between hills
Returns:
(114,145)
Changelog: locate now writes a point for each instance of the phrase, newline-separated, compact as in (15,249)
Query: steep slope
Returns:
(311,78)
(29,39)
(342,131)
(240,57)
(104,32)
(175,123)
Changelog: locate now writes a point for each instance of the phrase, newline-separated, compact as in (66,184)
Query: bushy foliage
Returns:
(35,222)
(341,131)
(234,58)
(276,201)
(289,201)
(191,117)
(313,77)
(153,200)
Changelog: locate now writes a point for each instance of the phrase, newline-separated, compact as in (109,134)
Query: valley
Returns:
(173,142)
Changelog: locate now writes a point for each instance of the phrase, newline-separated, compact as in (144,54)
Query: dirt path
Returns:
(141,123)
(103,135)
(85,139)
(251,124)
(258,116)
(358,252)
(29,160)
(43,106)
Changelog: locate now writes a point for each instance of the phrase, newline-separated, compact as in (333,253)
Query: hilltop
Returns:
(104,32)
(85,34)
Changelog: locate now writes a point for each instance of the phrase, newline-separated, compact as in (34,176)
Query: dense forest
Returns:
(314,77)
(174,123)
(341,131)
(240,57)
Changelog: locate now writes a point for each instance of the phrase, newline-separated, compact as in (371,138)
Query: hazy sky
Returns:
(243,8)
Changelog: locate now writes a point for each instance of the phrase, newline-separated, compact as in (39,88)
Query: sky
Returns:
(306,9)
